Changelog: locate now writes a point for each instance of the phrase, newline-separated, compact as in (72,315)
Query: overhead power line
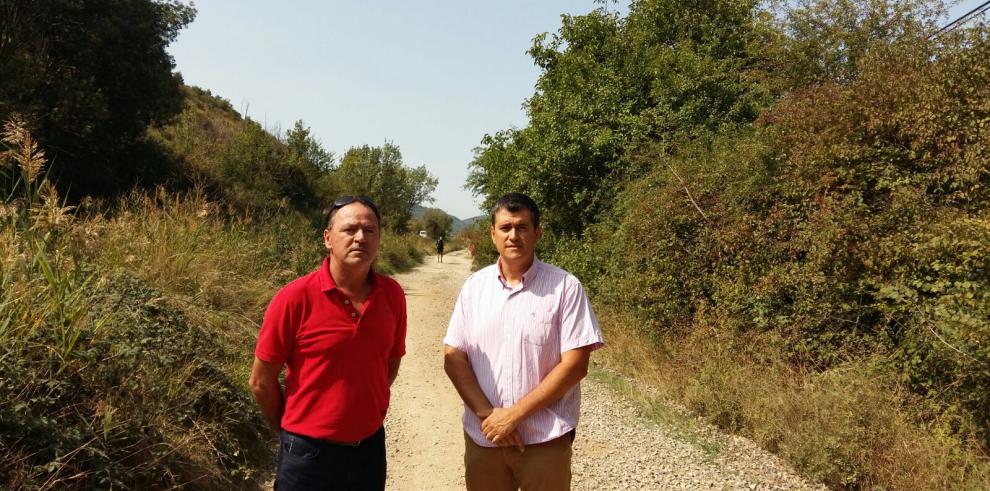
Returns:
(983,7)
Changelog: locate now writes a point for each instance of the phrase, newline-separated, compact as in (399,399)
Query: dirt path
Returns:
(616,448)
(425,440)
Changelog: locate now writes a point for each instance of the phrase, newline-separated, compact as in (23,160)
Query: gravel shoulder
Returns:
(618,446)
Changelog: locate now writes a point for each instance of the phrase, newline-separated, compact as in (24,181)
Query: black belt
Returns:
(332,442)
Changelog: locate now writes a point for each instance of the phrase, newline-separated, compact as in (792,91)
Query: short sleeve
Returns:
(278,331)
(458,323)
(578,324)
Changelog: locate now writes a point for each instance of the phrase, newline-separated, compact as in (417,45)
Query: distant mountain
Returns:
(418,211)
(467,222)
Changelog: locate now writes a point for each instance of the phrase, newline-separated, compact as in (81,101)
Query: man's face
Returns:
(353,236)
(514,235)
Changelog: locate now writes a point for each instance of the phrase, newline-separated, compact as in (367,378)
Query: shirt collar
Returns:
(326,279)
(528,276)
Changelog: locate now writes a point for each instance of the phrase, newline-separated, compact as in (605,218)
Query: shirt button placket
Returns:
(513,361)
(354,313)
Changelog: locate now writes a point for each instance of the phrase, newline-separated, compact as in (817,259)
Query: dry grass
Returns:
(127,332)
(848,427)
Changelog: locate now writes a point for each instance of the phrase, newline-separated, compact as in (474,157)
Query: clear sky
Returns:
(430,76)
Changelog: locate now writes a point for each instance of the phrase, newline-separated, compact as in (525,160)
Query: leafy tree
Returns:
(613,87)
(437,223)
(89,77)
(851,222)
(809,182)
(826,40)
(234,159)
(610,85)
(378,172)
(257,174)
(306,149)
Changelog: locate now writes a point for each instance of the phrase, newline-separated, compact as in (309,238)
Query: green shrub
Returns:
(849,225)
(126,337)
(399,253)
(940,292)
(112,386)
(485,252)
(850,427)
(237,161)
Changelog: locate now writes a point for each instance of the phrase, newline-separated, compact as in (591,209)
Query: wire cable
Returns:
(962,19)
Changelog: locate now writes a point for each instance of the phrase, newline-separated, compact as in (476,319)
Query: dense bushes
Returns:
(399,252)
(851,427)
(127,332)
(89,77)
(240,163)
(842,231)
(128,394)
(852,222)
(111,381)
(611,84)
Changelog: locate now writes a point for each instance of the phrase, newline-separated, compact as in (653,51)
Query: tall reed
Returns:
(127,331)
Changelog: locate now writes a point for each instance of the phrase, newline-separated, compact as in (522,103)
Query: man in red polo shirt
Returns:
(340,334)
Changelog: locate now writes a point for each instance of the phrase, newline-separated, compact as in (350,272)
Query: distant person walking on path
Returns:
(517,346)
(340,334)
(440,249)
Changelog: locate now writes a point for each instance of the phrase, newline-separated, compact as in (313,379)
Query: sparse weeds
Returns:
(399,253)
(850,427)
(659,410)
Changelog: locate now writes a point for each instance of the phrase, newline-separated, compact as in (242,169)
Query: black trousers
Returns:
(310,464)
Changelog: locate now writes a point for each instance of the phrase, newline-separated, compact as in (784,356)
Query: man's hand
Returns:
(513,440)
(500,424)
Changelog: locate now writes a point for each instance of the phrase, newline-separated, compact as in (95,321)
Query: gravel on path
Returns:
(617,446)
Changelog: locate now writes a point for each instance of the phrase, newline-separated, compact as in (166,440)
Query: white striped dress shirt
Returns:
(514,335)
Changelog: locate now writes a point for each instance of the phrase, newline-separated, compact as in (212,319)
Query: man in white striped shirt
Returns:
(517,346)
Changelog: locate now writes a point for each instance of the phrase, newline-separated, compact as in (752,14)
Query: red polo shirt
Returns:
(336,377)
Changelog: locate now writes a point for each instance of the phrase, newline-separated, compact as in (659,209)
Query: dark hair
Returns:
(514,203)
(346,200)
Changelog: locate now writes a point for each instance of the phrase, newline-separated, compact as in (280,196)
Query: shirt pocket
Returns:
(539,329)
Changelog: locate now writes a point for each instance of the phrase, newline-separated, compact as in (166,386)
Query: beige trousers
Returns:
(542,467)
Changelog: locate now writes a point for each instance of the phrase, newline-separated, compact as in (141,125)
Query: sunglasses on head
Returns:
(346,200)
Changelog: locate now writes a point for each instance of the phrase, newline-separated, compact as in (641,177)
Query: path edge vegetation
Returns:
(127,330)
(782,214)
(129,306)
(780,211)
